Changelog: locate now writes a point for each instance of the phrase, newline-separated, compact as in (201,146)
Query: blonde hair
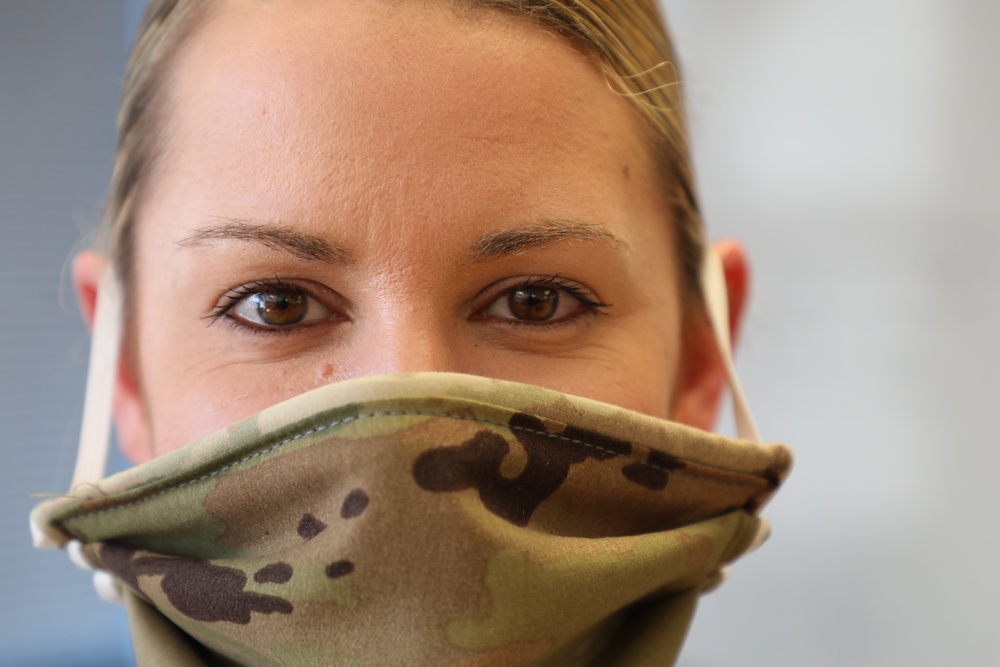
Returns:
(626,37)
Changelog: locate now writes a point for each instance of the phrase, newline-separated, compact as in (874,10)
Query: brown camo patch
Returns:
(198,589)
(310,527)
(477,463)
(275,573)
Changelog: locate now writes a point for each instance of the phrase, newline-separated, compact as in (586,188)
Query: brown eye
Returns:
(533,304)
(278,307)
(539,301)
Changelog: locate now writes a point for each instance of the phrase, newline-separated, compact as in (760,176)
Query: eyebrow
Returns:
(277,237)
(492,246)
(518,240)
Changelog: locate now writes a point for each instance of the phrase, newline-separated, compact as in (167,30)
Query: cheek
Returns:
(646,378)
(636,379)
(637,367)
(651,349)
(188,396)
(189,416)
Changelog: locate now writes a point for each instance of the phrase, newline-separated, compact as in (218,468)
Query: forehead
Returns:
(309,97)
(348,49)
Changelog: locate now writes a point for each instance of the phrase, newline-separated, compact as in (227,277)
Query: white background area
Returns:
(853,146)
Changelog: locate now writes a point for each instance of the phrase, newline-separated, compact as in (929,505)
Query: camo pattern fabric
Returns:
(424,519)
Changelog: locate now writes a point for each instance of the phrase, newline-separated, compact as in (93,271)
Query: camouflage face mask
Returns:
(424,519)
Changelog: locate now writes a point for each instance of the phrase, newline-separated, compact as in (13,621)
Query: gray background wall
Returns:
(852,145)
(60,69)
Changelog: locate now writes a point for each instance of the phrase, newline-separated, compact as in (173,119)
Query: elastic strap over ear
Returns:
(105,348)
(713,287)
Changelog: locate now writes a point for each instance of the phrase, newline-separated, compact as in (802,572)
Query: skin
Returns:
(401,168)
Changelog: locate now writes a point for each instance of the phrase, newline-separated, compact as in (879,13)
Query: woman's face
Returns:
(351,189)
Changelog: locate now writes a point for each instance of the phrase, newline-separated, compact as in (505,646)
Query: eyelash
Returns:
(588,300)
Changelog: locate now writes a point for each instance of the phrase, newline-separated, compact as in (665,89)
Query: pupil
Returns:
(533,304)
(280,308)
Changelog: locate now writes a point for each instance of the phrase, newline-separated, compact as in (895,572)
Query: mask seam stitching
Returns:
(346,420)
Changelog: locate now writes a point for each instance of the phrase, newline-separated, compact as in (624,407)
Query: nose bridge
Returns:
(406,340)
(416,345)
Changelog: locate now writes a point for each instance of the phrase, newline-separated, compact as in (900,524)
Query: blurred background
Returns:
(853,146)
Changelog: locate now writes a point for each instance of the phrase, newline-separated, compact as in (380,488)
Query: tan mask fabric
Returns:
(425,519)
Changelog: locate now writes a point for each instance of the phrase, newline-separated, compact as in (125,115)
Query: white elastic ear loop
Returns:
(713,287)
(105,347)
(95,433)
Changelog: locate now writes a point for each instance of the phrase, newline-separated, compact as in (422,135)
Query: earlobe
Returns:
(131,419)
(702,374)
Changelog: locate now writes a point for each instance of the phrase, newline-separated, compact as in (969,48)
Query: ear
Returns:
(702,375)
(131,420)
